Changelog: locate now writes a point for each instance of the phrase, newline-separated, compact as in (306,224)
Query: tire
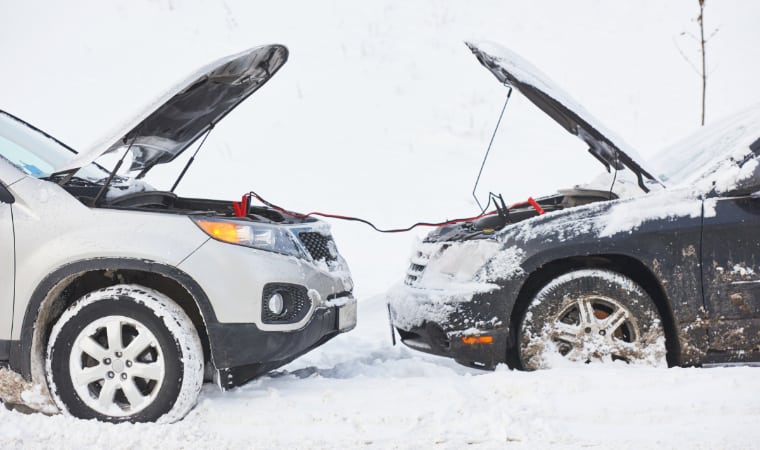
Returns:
(589,316)
(125,353)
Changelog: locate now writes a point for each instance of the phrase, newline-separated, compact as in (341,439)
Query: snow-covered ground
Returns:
(358,391)
(382,112)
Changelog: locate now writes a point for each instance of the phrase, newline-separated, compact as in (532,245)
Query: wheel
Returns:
(125,353)
(591,316)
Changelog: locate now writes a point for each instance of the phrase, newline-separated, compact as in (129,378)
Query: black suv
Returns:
(642,266)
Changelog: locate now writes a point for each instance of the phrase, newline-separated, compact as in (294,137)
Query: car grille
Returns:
(414,272)
(319,246)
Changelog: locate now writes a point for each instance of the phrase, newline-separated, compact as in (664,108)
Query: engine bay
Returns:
(485,226)
(171,203)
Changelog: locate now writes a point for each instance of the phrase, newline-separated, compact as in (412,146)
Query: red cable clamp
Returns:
(536,206)
(241,207)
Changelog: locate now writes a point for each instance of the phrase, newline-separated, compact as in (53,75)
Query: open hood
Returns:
(512,70)
(178,118)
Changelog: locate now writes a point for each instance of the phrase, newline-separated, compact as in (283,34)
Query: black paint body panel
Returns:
(668,256)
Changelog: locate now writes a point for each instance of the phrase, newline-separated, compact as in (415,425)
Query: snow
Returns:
(113,139)
(718,149)
(454,272)
(666,204)
(528,74)
(15,389)
(505,265)
(359,391)
(129,186)
(455,262)
(383,113)
(555,225)
(411,308)
(176,321)
(742,270)
(648,347)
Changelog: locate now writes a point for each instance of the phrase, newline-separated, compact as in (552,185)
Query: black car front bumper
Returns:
(470,329)
(242,352)
(462,346)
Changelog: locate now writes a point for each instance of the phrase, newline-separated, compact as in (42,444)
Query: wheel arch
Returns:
(622,264)
(70,282)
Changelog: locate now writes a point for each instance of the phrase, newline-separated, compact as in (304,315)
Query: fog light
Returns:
(276,304)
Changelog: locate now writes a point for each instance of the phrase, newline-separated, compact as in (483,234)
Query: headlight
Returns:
(271,238)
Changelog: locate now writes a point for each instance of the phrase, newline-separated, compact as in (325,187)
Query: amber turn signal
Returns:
(470,340)
(224,231)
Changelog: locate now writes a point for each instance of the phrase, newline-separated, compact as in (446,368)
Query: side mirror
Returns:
(5,195)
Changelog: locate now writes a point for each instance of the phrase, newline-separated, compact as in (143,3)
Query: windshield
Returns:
(36,154)
(703,153)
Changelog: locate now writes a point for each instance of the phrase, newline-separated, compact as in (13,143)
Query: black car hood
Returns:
(177,119)
(512,70)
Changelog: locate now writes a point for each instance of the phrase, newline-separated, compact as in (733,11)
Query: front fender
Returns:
(31,335)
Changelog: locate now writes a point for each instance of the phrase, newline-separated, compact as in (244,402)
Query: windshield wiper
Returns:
(64,179)
(64,175)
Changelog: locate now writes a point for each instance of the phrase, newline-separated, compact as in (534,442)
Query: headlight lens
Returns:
(271,238)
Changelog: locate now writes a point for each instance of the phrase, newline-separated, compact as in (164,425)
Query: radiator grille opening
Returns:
(319,246)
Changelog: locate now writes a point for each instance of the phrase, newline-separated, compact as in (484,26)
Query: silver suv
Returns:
(118,299)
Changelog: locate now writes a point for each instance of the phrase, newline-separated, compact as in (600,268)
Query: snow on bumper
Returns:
(444,322)
(452,304)
(445,280)
(412,307)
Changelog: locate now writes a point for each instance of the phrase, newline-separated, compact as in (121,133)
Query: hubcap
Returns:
(595,328)
(116,366)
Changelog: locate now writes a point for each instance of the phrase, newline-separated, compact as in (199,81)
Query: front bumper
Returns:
(245,341)
(242,352)
(468,327)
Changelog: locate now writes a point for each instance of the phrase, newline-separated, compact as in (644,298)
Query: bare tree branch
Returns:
(701,22)
(715,31)
(686,33)
(686,58)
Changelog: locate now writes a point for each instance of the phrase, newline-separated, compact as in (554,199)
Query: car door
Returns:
(7,270)
(731,275)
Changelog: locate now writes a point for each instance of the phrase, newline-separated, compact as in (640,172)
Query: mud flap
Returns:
(390,322)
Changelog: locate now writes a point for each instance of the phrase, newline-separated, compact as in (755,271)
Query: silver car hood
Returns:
(178,118)
(510,69)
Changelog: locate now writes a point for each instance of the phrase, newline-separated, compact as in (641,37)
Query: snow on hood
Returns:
(716,157)
(510,69)
(175,120)
(605,219)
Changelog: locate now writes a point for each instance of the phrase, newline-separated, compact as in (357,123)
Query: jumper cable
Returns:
(241,208)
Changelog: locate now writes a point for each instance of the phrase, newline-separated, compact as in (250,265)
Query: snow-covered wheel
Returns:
(589,316)
(125,353)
